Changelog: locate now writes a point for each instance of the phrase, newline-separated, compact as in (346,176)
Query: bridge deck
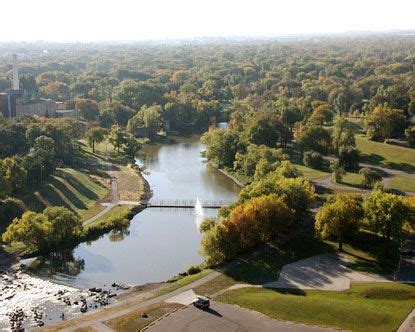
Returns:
(186,203)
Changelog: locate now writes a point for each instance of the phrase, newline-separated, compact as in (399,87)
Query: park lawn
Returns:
(402,183)
(391,156)
(365,307)
(311,174)
(77,190)
(134,322)
(352,179)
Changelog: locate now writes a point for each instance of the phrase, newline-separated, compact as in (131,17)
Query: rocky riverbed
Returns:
(27,302)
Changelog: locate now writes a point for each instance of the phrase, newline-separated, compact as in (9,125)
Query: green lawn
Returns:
(311,174)
(352,179)
(387,155)
(402,183)
(365,307)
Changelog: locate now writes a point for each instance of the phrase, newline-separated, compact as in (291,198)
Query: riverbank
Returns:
(227,174)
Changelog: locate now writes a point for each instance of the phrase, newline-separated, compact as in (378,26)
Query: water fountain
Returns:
(198,208)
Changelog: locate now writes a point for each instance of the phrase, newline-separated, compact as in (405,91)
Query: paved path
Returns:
(324,272)
(225,317)
(134,306)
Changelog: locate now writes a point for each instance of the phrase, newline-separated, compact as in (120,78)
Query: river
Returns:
(160,242)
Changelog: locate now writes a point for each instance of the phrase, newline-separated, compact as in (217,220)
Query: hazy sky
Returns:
(87,20)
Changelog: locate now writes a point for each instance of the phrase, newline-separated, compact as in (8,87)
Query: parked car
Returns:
(201,302)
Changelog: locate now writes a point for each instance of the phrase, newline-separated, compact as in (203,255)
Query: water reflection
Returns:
(159,242)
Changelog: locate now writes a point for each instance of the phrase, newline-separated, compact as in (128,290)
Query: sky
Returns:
(121,20)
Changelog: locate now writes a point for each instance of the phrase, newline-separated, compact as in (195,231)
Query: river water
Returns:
(160,242)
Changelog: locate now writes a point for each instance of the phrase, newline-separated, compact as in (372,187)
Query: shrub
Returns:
(193,270)
(313,159)
(369,177)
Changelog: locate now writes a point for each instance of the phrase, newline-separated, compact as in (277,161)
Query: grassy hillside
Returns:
(391,156)
(77,190)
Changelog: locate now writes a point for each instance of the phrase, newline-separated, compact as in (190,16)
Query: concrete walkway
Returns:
(323,272)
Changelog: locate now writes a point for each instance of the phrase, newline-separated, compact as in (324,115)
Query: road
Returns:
(225,317)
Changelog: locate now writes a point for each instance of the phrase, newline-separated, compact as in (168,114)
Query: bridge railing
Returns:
(187,203)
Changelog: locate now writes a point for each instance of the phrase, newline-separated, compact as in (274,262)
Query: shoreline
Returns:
(234,179)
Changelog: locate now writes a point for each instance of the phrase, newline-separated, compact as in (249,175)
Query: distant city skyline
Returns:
(129,20)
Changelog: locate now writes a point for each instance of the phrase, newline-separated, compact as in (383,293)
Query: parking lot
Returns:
(224,317)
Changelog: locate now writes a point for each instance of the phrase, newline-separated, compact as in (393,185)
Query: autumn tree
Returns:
(386,213)
(339,218)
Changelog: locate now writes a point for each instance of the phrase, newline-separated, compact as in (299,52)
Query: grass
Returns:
(386,155)
(131,185)
(402,183)
(370,253)
(134,322)
(76,190)
(183,282)
(311,174)
(352,179)
(365,307)
(119,210)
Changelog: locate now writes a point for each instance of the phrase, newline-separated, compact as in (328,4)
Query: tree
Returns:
(44,231)
(132,145)
(323,114)
(262,131)
(386,213)
(290,116)
(343,134)
(13,176)
(207,224)
(338,171)
(385,122)
(296,193)
(339,218)
(313,159)
(369,177)
(222,145)
(314,138)
(117,137)
(349,157)
(410,136)
(89,109)
(95,135)
(148,118)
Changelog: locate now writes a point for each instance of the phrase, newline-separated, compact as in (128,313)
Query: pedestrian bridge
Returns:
(186,203)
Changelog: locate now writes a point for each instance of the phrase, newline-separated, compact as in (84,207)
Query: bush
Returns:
(193,270)
(369,177)
(313,159)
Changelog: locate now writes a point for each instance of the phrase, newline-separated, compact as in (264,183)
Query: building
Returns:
(15,103)
(74,114)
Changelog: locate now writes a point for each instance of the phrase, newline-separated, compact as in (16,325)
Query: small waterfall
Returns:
(198,208)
